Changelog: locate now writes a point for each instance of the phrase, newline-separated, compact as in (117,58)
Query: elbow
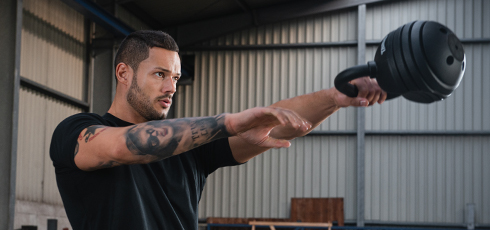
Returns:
(124,154)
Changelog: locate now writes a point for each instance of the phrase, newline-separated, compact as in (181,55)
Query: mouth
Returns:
(165,103)
(163,133)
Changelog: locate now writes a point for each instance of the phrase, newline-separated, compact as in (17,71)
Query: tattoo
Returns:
(201,129)
(76,149)
(161,138)
(90,133)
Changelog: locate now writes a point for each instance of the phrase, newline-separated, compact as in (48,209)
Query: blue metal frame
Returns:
(100,16)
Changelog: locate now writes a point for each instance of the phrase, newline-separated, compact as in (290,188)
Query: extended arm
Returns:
(315,108)
(102,147)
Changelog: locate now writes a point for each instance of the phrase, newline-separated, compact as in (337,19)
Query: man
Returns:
(132,169)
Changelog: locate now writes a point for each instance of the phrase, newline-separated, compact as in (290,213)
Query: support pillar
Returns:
(361,119)
(11,21)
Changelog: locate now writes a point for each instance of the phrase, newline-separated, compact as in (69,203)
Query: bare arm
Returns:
(101,147)
(315,108)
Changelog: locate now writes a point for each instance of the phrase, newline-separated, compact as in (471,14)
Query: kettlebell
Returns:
(423,61)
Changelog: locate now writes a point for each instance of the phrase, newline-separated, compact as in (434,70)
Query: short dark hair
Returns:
(136,47)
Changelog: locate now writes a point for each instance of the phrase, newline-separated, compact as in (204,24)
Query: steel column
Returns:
(11,19)
(361,118)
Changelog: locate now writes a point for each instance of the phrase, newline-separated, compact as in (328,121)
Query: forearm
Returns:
(157,140)
(314,107)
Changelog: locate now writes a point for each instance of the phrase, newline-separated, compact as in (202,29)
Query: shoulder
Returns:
(79,120)
(64,138)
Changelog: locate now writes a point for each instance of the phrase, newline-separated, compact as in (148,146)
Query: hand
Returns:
(254,125)
(369,94)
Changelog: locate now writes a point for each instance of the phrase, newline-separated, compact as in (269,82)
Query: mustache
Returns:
(165,96)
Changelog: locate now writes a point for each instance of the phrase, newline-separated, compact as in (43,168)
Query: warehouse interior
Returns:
(400,164)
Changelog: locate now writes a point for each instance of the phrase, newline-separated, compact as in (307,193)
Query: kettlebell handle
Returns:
(342,80)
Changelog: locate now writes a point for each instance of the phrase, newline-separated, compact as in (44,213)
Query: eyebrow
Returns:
(166,70)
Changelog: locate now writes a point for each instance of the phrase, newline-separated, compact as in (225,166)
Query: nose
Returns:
(169,86)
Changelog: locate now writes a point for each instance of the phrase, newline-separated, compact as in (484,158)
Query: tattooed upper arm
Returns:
(85,138)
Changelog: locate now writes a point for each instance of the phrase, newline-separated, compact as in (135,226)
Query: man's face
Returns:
(154,84)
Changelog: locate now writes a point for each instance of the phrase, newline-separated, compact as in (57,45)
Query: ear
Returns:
(124,73)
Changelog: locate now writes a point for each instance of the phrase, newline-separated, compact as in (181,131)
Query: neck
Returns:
(121,109)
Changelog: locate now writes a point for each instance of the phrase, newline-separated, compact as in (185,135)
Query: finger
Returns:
(383,97)
(276,116)
(359,102)
(375,98)
(298,122)
(270,142)
(361,83)
(378,91)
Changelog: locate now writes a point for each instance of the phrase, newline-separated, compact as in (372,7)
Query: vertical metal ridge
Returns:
(361,118)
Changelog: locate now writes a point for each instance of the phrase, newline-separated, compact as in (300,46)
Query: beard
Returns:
(141,102)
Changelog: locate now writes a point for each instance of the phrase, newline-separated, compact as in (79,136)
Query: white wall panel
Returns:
(427,179)
(52,54)
(57,14)
(52,46)
(467,19)
(312,167)
(231,81)
(331,27)
(38,117)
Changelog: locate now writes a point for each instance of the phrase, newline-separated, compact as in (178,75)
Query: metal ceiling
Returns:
(191,21)
(171,13)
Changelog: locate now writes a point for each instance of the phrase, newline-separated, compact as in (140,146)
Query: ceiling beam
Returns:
(191,33)
(100,16)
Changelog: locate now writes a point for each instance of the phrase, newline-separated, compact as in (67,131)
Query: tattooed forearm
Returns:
(161,138)
(207,129)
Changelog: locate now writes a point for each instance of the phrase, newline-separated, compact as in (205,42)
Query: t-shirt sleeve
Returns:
(64,139)
(215,155)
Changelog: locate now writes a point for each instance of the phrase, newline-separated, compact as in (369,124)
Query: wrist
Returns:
(227,123)
(332,97)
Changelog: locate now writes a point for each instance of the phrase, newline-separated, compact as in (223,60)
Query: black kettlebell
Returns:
(423,61)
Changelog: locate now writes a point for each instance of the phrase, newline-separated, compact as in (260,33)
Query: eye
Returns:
(176,78)
(160,74)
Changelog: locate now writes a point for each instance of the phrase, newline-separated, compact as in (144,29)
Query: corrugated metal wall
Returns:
(52,47)
(319,166)
(52,54)
(431,178)
(427,178)
(408,178)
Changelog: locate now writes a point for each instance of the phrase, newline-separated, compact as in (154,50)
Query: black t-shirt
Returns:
(159,195)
